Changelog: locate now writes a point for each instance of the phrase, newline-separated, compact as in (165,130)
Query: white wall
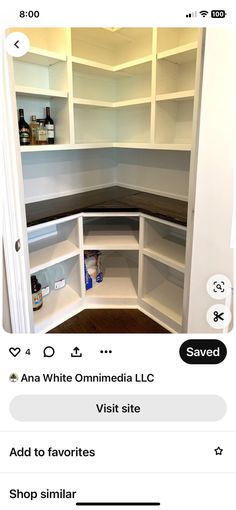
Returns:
(52,174)
(154,171)
(214,188)
(57,173)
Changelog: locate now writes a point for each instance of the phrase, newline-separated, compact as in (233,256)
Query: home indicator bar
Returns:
(119,504)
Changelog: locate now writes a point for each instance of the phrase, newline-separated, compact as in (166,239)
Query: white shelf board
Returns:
(132,102)
(133,145)
(57,306)
(175,96)
(110,104)
(168,299)
(45,256)
(91,63)
(172,255)
(133,63)
(92,102)
(120,280)
(33,91)
(172,146)
(112,69)
(104,145)
(179,54)
(65,147)
(46,147)
(41,57)
(155,146)
(111,239)
(93,145)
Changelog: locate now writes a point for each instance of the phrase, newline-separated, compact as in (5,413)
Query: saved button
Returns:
(203,352)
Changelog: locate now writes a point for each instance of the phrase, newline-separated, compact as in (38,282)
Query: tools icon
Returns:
(218,316)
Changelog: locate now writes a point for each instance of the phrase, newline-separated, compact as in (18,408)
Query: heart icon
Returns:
(14,351)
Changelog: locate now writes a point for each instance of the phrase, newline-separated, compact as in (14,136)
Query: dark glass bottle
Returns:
(37,298)
(49,124)
(24,129)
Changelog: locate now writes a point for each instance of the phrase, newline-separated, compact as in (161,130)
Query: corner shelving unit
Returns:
(126,88)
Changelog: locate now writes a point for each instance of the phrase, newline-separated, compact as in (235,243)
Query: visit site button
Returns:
(203,352)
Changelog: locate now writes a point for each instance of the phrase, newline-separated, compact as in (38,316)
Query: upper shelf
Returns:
(46,40)
(104,145)
(175,96)
(110,104)
(114,91)
(180,54)
(111,68)
(41,57)
(112,48)
(33,91)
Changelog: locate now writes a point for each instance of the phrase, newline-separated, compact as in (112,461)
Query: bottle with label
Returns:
(41,133)
(24,129)
(49,125)
(33,128)
(37,298)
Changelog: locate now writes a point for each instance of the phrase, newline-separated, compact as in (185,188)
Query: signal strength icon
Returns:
(204,13)
(191,14)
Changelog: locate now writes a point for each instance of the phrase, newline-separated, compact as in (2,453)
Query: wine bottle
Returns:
(49,124)
(24,129)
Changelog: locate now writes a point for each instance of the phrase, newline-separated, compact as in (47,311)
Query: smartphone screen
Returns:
(118,352)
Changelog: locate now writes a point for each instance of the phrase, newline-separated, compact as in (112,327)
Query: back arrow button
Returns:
(17,44)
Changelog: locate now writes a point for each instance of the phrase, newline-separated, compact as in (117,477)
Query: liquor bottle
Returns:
(24,129)
(33,127)
(49,124)
(37,299)
(41,133)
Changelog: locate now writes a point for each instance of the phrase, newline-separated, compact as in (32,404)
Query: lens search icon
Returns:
(48,352)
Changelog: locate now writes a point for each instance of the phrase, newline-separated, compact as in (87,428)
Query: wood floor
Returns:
(109,321)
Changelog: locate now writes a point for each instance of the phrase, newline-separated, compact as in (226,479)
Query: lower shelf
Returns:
(120,280)
(58,306)
(163,289)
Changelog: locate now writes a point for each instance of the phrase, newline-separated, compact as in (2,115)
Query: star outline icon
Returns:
(218,450)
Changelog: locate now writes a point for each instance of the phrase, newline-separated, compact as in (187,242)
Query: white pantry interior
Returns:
(126,106)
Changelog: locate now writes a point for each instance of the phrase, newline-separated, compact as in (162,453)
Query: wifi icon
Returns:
(204,13)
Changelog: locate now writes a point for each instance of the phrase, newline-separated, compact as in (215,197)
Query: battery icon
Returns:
(218,13)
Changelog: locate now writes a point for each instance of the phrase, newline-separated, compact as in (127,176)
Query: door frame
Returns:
(14,220)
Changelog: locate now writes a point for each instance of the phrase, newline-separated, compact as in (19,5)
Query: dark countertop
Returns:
(113,199)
